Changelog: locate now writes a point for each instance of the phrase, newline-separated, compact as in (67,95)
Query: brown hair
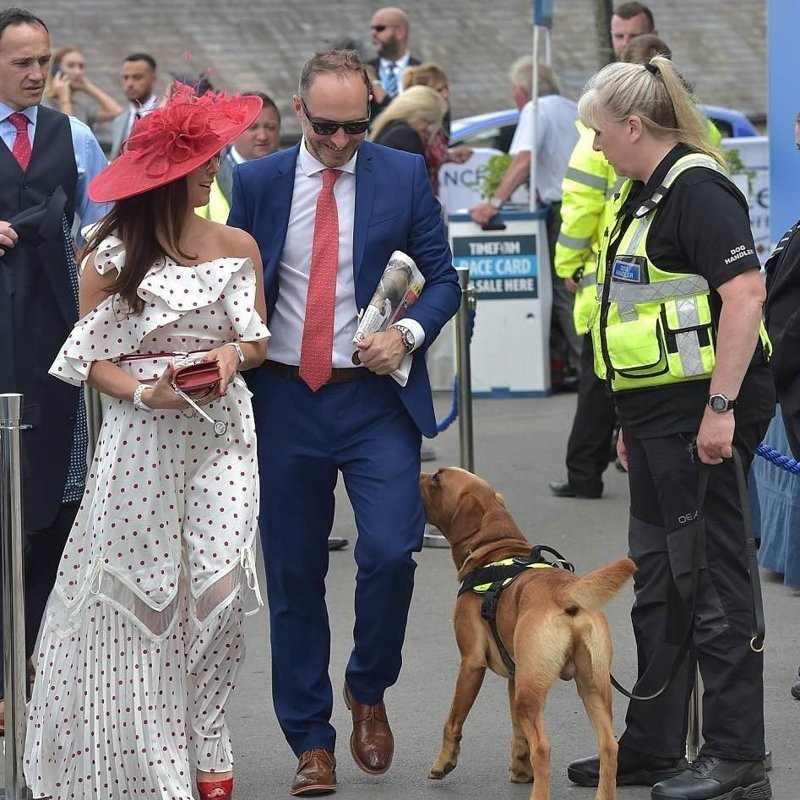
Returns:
(643,47)
(338,62)
(150,227)
(633,9)
(423,75)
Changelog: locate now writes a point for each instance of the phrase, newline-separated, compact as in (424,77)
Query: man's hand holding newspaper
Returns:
(398,289)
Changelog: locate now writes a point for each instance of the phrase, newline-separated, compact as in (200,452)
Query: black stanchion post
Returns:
(464,369)
(695,721)
(13,594)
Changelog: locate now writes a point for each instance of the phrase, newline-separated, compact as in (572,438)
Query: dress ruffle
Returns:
(170,291)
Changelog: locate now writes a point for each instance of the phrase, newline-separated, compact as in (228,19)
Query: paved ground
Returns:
(519,446)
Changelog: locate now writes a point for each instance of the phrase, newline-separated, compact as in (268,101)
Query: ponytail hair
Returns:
(657,94)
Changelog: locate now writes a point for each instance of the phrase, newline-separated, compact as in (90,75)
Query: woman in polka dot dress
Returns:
(142,637)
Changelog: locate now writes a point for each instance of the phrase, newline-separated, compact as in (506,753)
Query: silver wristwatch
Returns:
(720,403)
(496,202)
(408,337)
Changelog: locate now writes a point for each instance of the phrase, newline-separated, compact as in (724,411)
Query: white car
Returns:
(491,133)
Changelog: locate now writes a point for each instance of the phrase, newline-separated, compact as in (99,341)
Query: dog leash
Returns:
(759,627)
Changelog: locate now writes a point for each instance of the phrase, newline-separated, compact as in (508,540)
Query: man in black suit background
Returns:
(46,162)
(390,32)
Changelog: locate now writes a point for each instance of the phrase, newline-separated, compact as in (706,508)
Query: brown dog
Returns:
(549,621)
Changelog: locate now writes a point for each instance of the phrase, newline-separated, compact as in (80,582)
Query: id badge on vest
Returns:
(630,269)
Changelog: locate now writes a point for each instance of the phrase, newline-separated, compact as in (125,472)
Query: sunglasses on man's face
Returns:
(325,127)
(380,28)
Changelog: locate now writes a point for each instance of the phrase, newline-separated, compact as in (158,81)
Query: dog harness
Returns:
(491,580)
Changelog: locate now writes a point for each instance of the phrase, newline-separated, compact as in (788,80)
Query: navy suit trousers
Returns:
(305,440)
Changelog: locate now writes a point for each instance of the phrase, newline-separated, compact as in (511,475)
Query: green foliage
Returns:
(493,174)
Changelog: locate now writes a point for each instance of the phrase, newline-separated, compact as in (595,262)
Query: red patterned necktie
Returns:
(317,347)
(21,149)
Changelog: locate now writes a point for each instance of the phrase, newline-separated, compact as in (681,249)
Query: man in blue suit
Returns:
(338,203)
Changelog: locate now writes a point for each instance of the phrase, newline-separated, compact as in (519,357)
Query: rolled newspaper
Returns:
(398,289)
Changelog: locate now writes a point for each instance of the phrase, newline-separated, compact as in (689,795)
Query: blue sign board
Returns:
(502,267)
(783,54)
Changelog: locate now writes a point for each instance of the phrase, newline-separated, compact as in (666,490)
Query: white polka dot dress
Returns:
(142,636)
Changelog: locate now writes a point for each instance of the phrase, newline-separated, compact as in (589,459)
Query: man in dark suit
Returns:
(332,210)
(390,30)
(139,85)
(46,162)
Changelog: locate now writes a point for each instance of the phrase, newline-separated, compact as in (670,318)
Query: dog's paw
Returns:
(520,772)
(439,771)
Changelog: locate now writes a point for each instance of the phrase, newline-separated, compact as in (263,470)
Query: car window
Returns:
(497,137)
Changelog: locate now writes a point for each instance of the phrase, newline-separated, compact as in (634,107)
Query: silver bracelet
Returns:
(138,403)
(239,352)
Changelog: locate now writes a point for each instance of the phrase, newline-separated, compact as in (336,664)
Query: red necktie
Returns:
(317,347)
(22,143)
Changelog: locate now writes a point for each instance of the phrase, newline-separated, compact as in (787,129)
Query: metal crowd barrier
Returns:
(463,389)
(13,594)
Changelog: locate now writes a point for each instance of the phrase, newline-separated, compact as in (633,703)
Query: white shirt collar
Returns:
(311,166)
(401,63)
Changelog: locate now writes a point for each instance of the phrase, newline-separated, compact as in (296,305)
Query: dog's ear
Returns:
(467,517)
(500,499)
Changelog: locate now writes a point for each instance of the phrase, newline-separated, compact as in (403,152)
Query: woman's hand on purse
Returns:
(161,394)
(228,361)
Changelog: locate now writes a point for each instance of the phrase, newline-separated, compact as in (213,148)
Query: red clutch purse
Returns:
(200,378)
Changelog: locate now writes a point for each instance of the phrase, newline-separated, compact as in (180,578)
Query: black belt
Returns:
(338,374)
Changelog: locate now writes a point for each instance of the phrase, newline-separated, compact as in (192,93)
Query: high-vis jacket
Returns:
(589,183)
(653,327)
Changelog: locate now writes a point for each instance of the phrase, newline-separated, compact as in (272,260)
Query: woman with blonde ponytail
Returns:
(678,339)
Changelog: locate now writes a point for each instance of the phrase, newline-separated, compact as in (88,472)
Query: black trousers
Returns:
(592,428)
(663,524)
(42,551)
(563,300)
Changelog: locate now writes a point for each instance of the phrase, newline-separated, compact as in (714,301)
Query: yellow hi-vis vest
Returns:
(589,184)
(652,327)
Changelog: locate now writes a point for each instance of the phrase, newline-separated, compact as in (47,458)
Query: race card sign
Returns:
(501,267)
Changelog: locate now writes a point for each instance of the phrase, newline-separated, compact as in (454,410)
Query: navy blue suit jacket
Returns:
(394,210)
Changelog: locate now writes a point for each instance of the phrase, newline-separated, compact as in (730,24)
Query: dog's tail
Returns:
(593,591)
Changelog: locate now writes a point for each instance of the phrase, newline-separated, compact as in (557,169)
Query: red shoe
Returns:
(215,790)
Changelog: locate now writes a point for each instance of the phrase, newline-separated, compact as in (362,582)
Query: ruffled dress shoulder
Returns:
(181,305)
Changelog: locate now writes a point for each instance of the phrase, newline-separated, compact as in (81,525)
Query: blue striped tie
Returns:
(390,79)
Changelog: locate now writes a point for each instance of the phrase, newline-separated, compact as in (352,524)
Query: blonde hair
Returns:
(418,103)
(423,75)
(653,91)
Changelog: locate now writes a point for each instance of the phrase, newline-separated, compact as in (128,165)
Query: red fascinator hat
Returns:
(174,140)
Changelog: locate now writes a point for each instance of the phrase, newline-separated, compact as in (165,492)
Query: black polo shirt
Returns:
(702,227)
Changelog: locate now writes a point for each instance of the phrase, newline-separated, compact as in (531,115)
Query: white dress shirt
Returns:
(287,319)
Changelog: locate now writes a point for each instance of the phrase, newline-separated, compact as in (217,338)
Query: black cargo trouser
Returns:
(664,521)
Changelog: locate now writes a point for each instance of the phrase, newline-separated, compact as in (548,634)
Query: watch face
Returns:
(718,402)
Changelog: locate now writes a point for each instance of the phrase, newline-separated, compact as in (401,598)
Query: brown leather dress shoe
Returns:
(316,773)
(371,741)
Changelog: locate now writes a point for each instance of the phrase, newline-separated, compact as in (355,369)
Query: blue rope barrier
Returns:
(778,459)
(453,414)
